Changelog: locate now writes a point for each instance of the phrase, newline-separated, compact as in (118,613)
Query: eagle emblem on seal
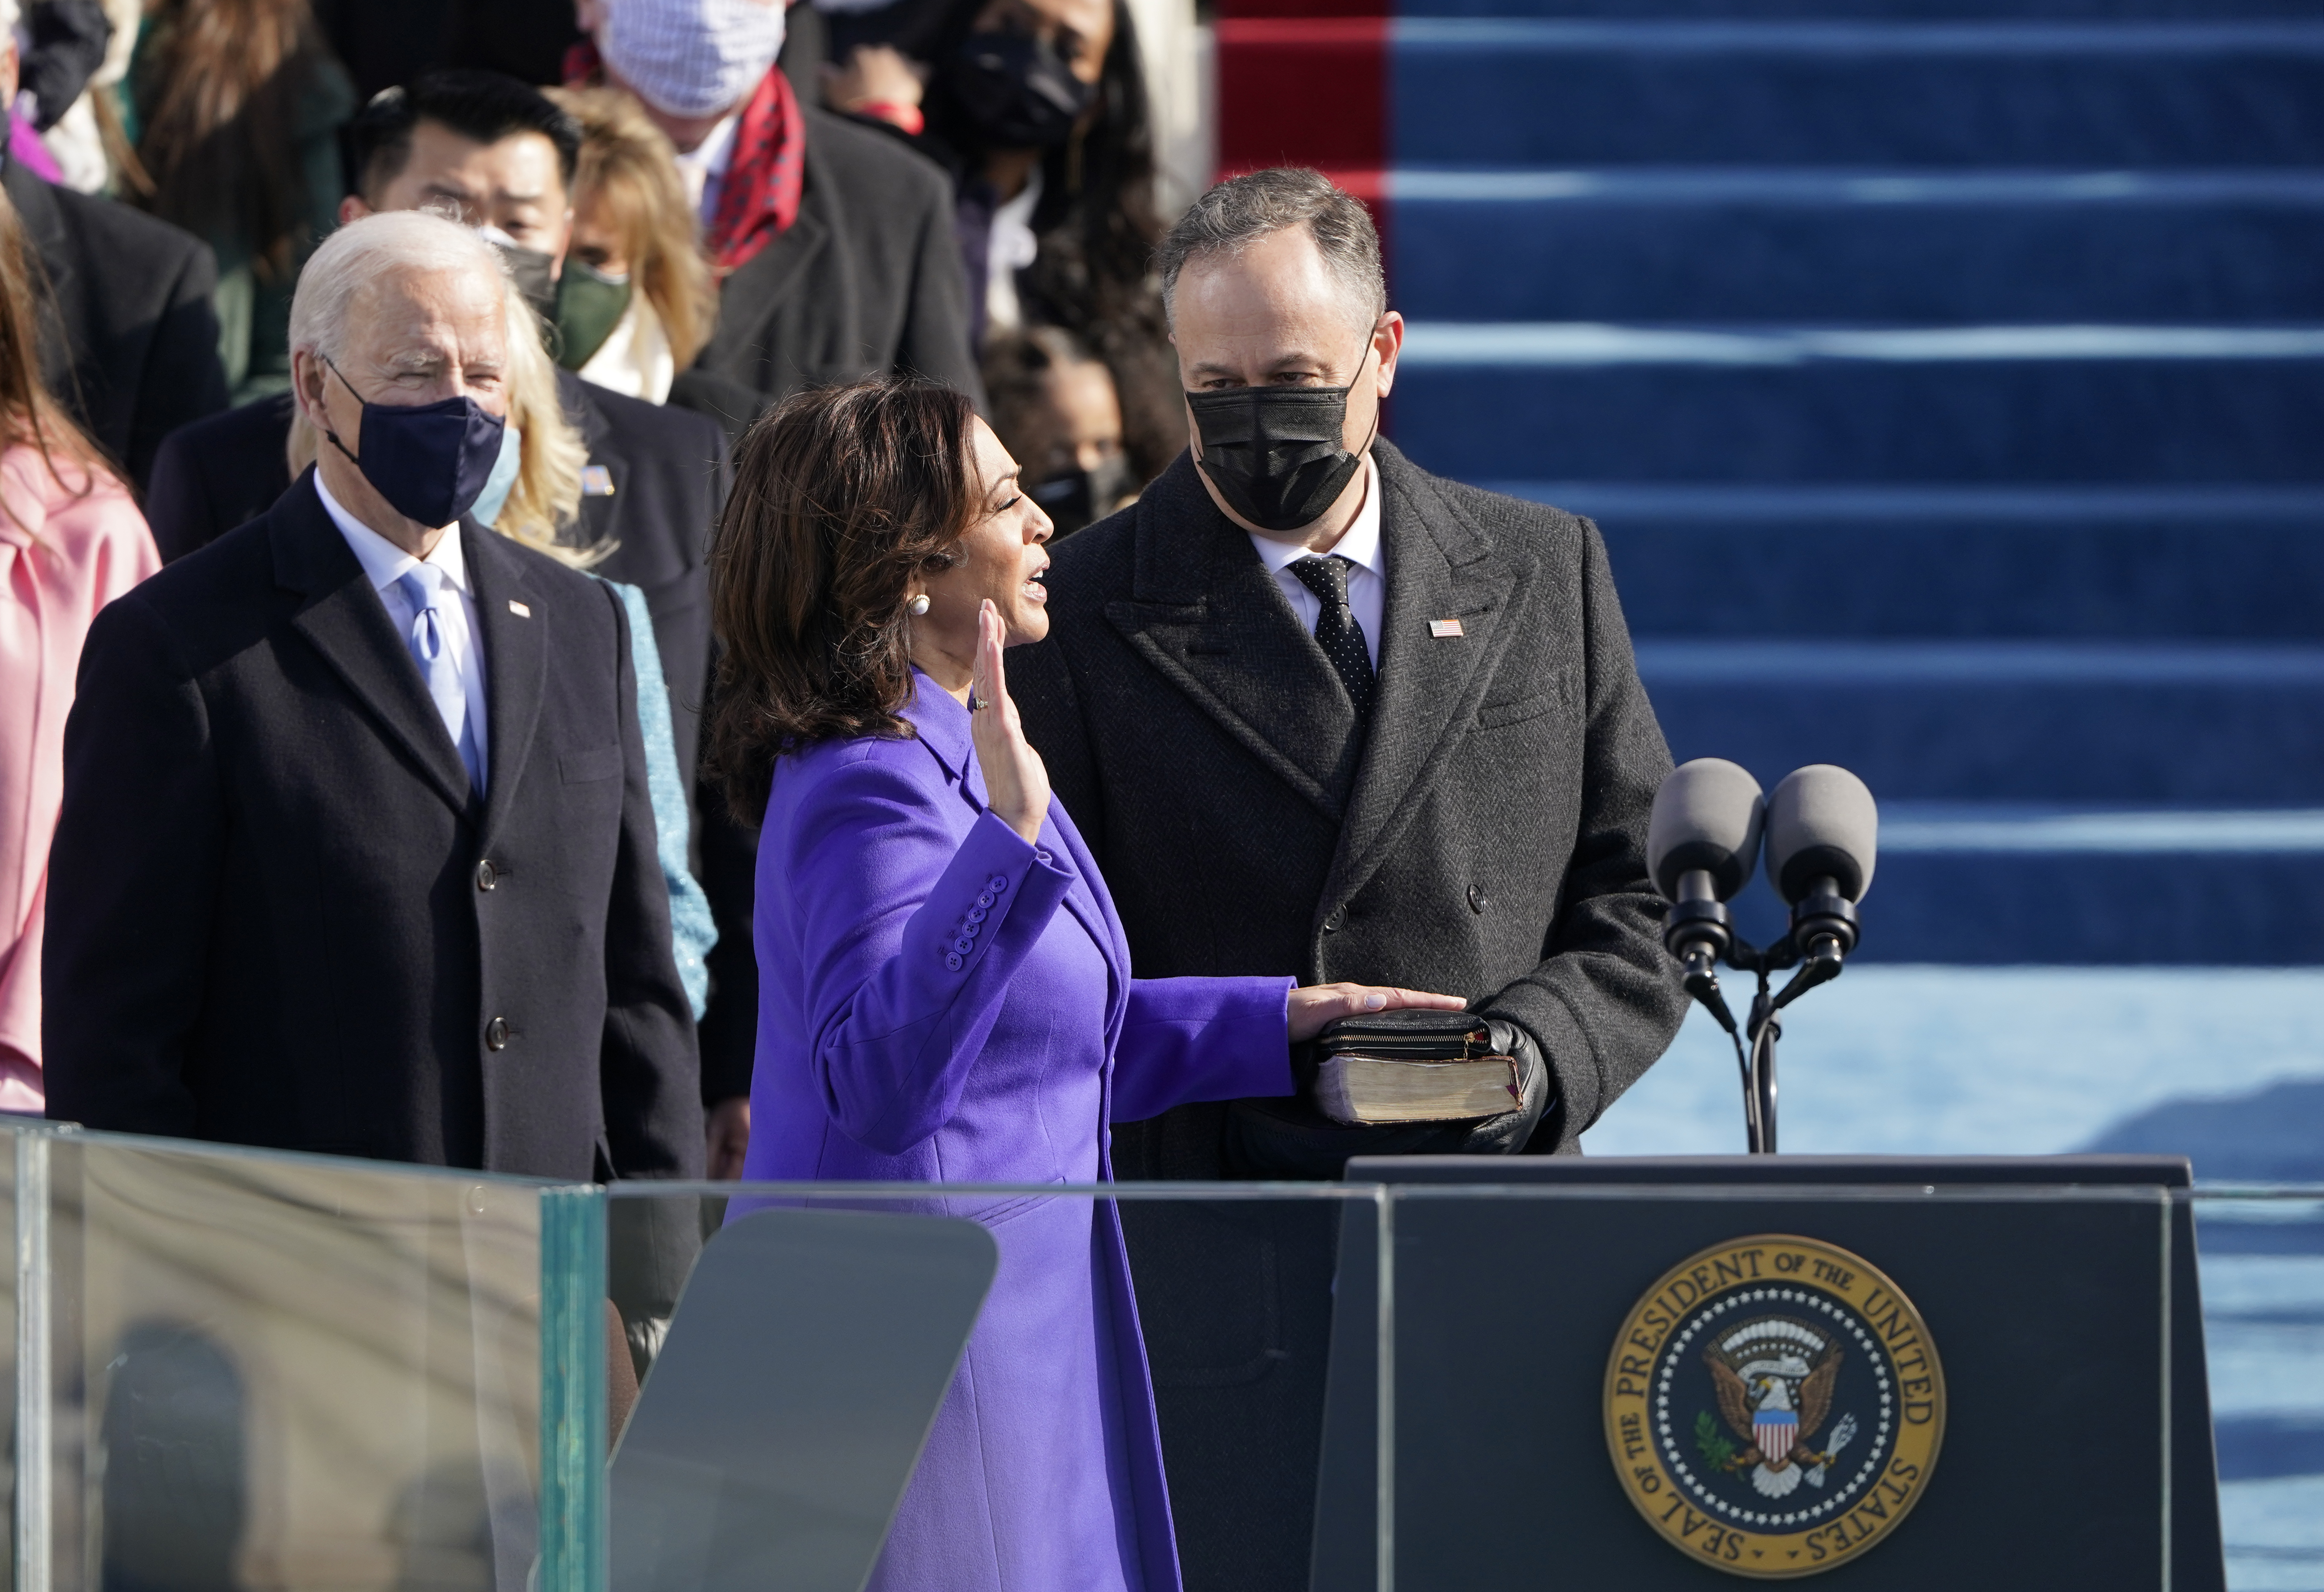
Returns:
(1774,1378)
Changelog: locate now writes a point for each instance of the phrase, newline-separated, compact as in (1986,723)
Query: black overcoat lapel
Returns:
(516,663)
(1439,567)
(344,619)
(1208,616)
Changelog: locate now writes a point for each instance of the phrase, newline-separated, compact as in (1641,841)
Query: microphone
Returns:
(1823,831)
(1702,845)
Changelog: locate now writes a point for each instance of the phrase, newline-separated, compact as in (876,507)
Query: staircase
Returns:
(1947,378)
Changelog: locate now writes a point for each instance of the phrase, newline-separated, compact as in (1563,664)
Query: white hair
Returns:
(366,252)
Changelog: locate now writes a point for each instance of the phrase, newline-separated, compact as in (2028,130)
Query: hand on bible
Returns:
(1316,1005)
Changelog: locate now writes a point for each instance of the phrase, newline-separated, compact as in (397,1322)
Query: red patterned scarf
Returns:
(765,171)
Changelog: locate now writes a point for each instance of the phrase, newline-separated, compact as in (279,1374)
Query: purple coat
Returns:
(940,1001)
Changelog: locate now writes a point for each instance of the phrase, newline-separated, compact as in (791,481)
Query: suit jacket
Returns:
(1486,837)
(130,342)
(948,1003)
(278,915)
(866,281)
(669,471)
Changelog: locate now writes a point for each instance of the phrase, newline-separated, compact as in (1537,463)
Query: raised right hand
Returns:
(1016,780)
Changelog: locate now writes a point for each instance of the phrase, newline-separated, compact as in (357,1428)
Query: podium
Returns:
(1916,1374)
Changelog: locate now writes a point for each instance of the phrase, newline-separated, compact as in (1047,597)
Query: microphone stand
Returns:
(1698,932)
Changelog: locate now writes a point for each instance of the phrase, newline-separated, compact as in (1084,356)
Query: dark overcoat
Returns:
(1484,836)
(278,915)
(129,336)
(866,281)
(668,470)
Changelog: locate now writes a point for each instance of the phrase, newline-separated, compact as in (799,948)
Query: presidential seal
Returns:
(1774,1407)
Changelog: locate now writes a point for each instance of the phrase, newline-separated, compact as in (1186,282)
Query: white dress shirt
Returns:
(1366,582)
(704,168)
(384,564)
(1009,248)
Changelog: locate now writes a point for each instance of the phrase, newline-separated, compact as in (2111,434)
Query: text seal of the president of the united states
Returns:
(1774,1407)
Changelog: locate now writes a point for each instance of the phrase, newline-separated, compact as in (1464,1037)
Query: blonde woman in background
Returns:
(636,302)
(534,497)
(71,541)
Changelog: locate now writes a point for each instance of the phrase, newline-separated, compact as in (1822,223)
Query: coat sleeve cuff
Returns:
(1564,1046)
(999,888)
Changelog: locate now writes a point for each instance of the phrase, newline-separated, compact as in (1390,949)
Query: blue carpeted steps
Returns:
(1553,91)
(1947,376)
(2062,562)
(1945,11)
(1790,245)
(1851,405)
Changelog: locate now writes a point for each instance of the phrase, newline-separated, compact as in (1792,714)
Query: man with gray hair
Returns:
(356,853)
(1318,712)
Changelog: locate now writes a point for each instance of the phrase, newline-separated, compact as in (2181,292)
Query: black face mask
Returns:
(1073,499)
(1275,454)
(533,271)
(1016,91)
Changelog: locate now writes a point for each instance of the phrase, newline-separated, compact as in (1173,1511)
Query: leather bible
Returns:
(1412,1066)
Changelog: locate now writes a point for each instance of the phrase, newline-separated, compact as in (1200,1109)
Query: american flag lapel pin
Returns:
(1441,628)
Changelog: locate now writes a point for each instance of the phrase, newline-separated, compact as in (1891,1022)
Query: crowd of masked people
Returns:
(510,531)
(701,220)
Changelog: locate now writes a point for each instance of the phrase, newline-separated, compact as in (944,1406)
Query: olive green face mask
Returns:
(589,305)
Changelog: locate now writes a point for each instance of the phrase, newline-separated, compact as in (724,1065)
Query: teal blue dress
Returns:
(692,930)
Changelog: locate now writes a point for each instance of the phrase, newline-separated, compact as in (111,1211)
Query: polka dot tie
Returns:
(1336,629)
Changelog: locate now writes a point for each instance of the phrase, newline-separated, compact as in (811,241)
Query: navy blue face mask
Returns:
(429,461)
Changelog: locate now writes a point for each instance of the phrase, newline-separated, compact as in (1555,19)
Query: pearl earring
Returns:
(918,605)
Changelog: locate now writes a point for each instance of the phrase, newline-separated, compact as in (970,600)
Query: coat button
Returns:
(1331,923)
(997,883)
(964,944)
(979,913)
(1477,897)
(951,960)
(487,876)
(497,1034)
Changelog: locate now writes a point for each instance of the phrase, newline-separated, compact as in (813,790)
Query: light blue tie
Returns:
(423,586)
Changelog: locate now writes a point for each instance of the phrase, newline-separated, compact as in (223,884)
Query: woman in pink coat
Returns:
(71,541)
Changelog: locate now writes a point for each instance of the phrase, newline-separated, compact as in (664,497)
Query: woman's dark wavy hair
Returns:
(841,496)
